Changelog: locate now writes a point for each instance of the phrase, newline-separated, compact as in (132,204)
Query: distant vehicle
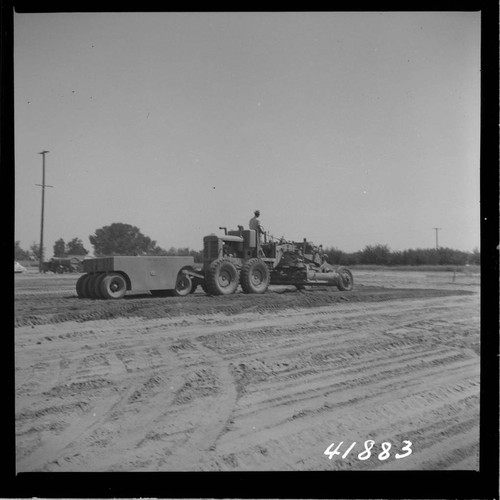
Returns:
(18,268)
(59,265)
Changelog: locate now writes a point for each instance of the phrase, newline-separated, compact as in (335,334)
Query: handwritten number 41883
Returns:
(366,453)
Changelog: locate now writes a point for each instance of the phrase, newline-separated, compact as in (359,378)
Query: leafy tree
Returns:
(450,256)
(335,256)
(59,248)
(376,254)
(475,258)
(157,251)
(75,247)
(19,253)
(35,250)
(381,255)
(197,255)
(178,251)
(122,239)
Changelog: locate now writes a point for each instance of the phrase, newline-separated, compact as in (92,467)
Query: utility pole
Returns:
(43,185)
(437,229)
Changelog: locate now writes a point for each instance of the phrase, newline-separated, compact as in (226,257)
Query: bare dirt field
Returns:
(250,382)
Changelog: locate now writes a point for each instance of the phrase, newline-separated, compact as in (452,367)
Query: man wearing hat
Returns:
(255,224)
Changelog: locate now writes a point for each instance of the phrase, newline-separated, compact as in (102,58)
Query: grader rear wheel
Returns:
(255,276)
(223,278)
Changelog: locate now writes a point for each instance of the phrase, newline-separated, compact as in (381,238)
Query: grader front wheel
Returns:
(223,278)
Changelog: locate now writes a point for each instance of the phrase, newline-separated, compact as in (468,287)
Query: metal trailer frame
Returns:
(152,273)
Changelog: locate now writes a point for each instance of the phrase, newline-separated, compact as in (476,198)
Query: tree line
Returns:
(60,249)
(115,239)
(124,239)
(384,256)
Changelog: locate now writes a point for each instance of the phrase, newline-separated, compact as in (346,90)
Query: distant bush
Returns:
(196,254)
(422,268)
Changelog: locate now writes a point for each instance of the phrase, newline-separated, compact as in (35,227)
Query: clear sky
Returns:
(349,129)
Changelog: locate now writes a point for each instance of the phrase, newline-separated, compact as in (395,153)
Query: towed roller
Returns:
(341,278)
(332,277)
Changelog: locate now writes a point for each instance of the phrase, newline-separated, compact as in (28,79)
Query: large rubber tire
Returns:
(346,281)
(95,286)
(113,286)
(90,286)
(183,285)
(223,278)
(204,286)
(255,276)
(79,285)
(87,286)
(194,283)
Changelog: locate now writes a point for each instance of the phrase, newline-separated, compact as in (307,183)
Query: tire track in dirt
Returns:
(131,379)
(135,379)
(52,308)
(51,447)
(213,418)
(265,390)
(429,364)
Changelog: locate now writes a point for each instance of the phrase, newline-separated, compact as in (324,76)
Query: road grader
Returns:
(234,258)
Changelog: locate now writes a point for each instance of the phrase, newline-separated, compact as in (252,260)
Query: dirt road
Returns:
(250,382)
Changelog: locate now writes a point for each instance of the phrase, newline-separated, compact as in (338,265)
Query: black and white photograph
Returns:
(247,241)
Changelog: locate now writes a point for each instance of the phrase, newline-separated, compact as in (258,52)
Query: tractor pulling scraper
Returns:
(237,257)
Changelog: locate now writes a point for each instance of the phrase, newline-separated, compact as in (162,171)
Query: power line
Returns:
(43,186)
